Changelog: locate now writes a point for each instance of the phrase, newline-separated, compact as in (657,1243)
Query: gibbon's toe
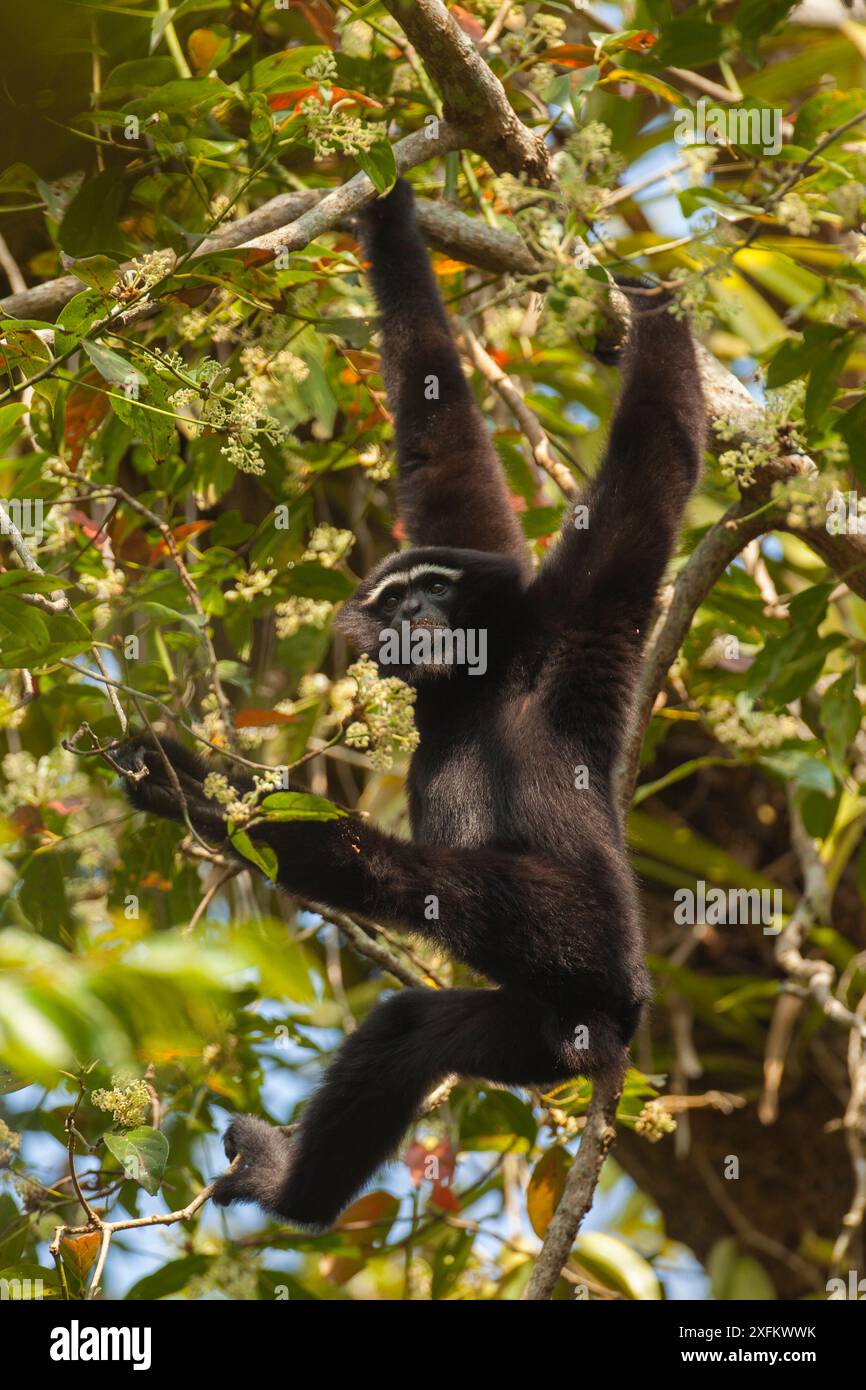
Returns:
(251,1137)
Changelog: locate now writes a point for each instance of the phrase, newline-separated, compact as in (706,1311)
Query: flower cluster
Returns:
(212,727)
(654,1122)
(142,274)
(587,166)
(296,612)
(267,371)
(751,730)
(794,212)
(10,1143)
(374,463)
(241,806)
(328,545)
(32,782)
(250,584)
(522,39)
(235,412)
(128,1101)
(331,130)
(386,704)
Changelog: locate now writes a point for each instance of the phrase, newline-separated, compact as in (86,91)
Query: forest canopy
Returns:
(196,470)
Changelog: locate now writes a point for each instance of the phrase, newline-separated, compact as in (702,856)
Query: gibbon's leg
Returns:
(377,1083)
(451,488)
(611,558)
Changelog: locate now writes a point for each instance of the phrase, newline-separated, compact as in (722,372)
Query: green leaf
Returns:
(142,1154)
(300,806)
(500,1122)
(149,418)
(113,367)
(840,717)
(797,357)
(29,1281)
(171,1278)
(90,222)
(379,165)
(261,855)
(617,1265)
(311,580)
(809,773)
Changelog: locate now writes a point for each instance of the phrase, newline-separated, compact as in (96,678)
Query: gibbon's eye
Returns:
(389,604)
(438,588)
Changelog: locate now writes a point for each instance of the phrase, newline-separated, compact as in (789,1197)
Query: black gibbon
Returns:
(517,836)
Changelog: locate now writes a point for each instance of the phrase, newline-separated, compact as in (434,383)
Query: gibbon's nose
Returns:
(412,605)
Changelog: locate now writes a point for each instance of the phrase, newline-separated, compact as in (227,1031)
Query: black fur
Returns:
(529,873)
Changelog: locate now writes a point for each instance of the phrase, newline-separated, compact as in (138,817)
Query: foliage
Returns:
(197,453)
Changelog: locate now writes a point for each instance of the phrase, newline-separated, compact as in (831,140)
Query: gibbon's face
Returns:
(429,612)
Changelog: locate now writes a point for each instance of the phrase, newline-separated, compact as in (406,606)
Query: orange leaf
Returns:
(286,101)
(430,1162)
(568,55)
(153,880)
(339,1269)
(641,42)
(90,527)
(80,1252)
(444,265)
(181,534)
(203,46)
(545,1188)
(443,1198)
(378,1209)
(262,718)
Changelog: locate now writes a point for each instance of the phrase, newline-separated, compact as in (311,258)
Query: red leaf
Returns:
(85,411)
(469,23)
(320,18)
(443,1198)
(90,527)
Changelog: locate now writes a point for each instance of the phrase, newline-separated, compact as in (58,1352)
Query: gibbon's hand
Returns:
(156,791)
(298,844)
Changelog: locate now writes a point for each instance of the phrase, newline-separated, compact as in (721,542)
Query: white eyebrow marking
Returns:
(397,577)
(406,577)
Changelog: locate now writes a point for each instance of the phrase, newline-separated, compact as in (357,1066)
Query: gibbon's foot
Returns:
(264,1174)
(396,204)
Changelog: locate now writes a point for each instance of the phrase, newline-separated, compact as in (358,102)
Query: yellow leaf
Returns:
(545,1188)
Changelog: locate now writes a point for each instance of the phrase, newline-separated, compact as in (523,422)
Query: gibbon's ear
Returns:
(359,625)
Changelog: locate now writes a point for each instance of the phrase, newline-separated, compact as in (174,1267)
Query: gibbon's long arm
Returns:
(604,572)
(451,489)
(463,898)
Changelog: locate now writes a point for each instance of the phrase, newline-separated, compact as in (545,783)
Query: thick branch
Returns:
(595,1143)
(473,96)
(707,562)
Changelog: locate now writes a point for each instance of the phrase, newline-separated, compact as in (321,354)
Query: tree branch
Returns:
(472,95)
(595,1143)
